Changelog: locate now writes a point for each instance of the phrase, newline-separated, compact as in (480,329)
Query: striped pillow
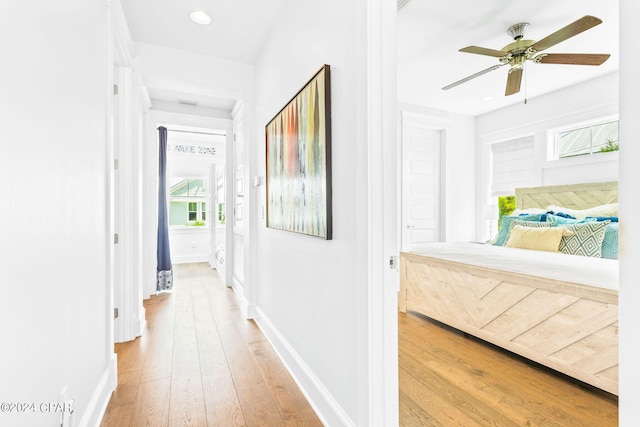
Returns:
(537,238)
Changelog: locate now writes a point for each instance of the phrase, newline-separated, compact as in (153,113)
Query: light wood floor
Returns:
(449,379)
(199,363)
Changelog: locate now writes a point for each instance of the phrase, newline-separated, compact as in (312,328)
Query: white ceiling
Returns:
(237,31)
(429,36)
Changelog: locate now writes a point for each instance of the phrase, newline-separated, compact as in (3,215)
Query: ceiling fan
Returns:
(518,52)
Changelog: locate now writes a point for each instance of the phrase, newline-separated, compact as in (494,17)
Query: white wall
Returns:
(306,288)
(587,101)
(55,296)
(191,73)
(189,244)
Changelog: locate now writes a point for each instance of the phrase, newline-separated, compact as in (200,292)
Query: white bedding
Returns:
(598,272)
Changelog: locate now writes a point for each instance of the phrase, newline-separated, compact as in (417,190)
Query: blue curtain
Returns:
(165,272)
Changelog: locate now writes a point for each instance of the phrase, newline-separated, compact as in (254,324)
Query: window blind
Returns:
(512,165)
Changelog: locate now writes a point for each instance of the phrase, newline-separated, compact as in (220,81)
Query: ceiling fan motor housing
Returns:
(517,30)
(518,52)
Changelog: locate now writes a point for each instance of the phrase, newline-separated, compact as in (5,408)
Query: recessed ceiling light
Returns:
(486,98)
(199,17)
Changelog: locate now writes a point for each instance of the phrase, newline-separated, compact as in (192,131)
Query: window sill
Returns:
(583,160)
(188,227)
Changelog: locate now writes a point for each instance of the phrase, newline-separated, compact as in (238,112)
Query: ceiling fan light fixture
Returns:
(200,17)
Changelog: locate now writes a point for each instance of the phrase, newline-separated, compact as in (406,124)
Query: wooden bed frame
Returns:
(568,327)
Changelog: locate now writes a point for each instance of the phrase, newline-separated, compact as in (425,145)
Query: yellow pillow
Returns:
(537,238)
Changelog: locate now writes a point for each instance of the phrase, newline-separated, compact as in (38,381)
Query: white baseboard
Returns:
(248,309)
(322,402)
(140,323)
(187,259)
(100,398)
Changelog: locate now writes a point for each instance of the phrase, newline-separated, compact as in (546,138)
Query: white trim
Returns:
(186,259)
(111,356)
(377,238)
(100,397)
(575,115)
(121,36)
(629,409)
(140,322)
(249,309)
(322,402)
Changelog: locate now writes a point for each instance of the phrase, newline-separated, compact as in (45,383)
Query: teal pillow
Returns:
(610,242)
(505,224)
(586,239)
(560,220)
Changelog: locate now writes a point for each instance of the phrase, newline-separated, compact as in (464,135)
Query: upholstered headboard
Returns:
(576,196)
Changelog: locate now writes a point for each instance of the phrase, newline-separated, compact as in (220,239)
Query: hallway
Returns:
(200,363)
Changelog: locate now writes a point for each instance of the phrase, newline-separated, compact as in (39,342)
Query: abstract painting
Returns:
(299,161)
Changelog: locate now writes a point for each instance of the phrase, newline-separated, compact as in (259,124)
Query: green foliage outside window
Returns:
(611,145)
(506,205)
(221,215)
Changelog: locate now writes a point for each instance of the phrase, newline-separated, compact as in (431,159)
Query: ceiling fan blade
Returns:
(564,33)
(484,51)
(513,81)
(472,76)
(572,58)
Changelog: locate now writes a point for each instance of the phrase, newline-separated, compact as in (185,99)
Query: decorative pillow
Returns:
(602,218)
(532,224)
(610,209)
(561,214)
(529,211)
(505,223)
(586,239)
(537,238)
(610,242)
(561,220)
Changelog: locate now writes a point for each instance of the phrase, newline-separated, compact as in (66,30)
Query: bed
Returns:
(556,309)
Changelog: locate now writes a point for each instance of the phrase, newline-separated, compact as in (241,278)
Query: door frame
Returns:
(377,247)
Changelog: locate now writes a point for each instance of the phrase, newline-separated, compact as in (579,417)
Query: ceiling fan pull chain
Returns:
(525,86)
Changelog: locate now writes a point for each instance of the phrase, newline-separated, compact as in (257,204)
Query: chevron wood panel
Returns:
(576,196)
(571,333)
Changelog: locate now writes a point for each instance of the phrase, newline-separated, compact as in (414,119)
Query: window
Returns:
(512,165)
(506,205)
(187,204)
(193,211)
(590,139)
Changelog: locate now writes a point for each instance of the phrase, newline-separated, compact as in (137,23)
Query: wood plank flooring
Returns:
(451,379)
(200,363)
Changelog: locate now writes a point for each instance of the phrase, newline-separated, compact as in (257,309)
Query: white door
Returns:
(421,179)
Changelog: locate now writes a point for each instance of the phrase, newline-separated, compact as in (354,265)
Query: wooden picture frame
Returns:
(298,156)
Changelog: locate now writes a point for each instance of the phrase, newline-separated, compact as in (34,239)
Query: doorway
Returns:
(196,211)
